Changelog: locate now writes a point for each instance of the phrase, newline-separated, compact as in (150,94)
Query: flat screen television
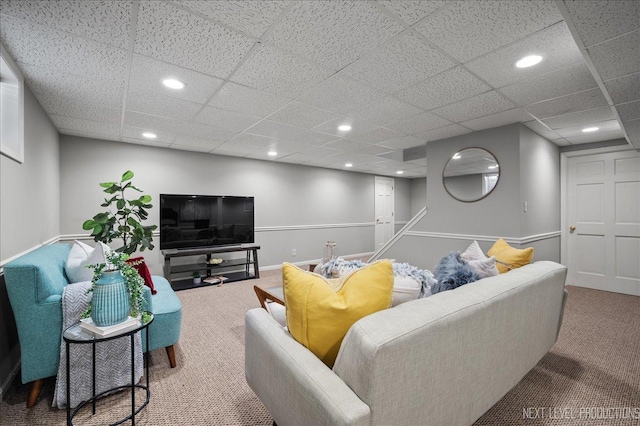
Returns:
(190,221)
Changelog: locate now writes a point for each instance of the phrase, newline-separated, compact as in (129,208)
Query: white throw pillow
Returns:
(405,289)
(82,255)
(278,312)
(484,266)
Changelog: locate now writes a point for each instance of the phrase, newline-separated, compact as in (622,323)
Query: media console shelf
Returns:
(208,270)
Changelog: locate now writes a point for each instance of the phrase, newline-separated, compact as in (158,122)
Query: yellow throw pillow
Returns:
(321,311)
(513,257)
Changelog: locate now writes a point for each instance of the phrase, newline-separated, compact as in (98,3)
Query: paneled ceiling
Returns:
(282,76)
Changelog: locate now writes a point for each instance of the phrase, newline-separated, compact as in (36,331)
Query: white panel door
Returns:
(383,210)
(603,214)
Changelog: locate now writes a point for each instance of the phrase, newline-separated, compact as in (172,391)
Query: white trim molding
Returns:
(29,250)
(404,231)
(489,238)
(309,227)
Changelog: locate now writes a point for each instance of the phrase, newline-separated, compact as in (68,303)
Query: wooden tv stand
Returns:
(172,272)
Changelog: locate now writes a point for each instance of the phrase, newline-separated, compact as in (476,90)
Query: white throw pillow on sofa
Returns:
(82,255)
(484,266)
(405,289)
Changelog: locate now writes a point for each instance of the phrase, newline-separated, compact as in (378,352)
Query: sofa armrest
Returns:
(295,386)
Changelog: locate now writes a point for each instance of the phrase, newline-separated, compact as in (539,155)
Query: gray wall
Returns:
(29,212)
(529,171)
(418,195)
(402,202)
(296,207)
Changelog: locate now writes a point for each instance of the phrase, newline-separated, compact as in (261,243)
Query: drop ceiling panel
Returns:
(317,151)
(190,141)
(333,34)
(301,115)
(617,57)
(340,94)
(205,132)
(247,100)
(597,21)
(103,21)
(146,143)
(481,105)
(384,110)
(297,158)
(351,145)
(136,133)
(576,131)
(78,108)
(276,130)
(542,130)
(151,122)
(403,61)
(624,89)
(252,17)
(312,137)
(412,11)
(256,141)
(155,104)
(589,138)
(357,126)
(629,111)
(404,143)
(147,75)
(111,130)
(278,72)
(223,119)
(108,91)
(44,47)
(580,118)
(172,35)
(499,119)
(193,148)
(589,99)
(445,88)
(376,136)
(233,148)
(419,123)
(555,44)
(575,78)
(443,132)
(467,30)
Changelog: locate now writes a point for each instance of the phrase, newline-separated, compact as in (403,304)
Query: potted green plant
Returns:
(118,288)
(125,222)
(197,279)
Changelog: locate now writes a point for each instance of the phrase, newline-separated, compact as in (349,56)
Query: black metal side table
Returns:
(78,335)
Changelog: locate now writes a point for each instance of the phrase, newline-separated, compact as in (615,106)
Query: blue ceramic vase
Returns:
(110,304)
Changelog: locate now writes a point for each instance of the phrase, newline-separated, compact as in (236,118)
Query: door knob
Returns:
(572,228)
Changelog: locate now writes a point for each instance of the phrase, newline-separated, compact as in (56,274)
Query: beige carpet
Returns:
(596,363)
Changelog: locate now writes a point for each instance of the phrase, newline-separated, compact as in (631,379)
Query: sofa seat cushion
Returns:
(167,310)
(319,312)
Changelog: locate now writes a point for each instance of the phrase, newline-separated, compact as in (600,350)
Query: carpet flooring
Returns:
(594,365)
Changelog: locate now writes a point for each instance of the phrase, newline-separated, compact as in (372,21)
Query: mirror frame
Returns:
(483,196)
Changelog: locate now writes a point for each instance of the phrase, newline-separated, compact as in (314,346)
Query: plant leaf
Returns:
(127,176)
(107,184)
(89,224)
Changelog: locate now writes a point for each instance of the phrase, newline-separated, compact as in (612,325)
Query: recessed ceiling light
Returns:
(344,128)
(149,135)
(172,83)
(493,167)
(272,153)
(590,129)
(348,165)
(529,61)
(456,156)
(399,172)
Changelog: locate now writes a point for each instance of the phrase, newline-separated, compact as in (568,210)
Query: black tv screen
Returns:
(188,221)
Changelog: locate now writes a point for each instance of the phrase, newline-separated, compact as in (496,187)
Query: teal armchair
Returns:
(35,283)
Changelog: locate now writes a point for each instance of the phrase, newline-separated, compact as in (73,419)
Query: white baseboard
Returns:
(315,261)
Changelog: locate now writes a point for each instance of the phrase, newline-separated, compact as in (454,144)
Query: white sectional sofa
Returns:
(441,360)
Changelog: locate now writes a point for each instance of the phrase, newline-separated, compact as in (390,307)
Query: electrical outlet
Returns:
(293,252)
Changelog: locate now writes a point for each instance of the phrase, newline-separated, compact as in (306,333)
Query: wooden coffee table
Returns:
(269,294)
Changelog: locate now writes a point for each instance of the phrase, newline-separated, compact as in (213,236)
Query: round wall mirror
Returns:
(471,174)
